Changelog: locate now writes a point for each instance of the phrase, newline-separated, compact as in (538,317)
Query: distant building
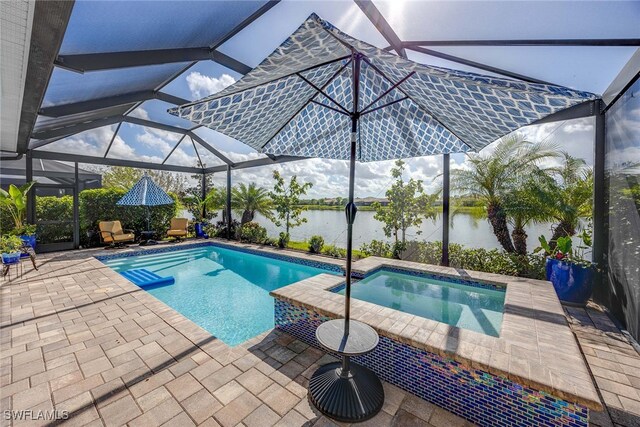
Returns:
(330,201)
(53,175)
(368,201)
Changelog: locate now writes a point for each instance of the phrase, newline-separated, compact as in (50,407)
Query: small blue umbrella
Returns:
(145,193)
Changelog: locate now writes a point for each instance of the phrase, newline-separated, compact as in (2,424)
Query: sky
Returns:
(589,69)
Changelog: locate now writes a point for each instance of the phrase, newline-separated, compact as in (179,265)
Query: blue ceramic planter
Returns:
(11,258)
(199,227)
(573,283)
(28,240)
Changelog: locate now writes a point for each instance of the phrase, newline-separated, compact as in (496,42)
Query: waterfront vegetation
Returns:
(516,184)
(520,182)
(456,208)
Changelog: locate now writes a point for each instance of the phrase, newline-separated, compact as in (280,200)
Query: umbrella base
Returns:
(352,397)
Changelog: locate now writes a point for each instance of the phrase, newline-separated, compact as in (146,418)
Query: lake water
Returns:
(332,225)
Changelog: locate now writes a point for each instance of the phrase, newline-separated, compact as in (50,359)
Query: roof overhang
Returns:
(50,19)
(17,23)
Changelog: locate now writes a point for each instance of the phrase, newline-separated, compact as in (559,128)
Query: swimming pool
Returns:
(225,291)
(475,307)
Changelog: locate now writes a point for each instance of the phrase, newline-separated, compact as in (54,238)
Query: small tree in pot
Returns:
(10,248)
(316,243)
(568,271)
(15,202)
(203,210)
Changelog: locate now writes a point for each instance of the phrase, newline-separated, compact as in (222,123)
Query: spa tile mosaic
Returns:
(476,395)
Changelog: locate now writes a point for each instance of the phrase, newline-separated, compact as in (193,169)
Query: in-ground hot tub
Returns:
(529,373)
(465,304)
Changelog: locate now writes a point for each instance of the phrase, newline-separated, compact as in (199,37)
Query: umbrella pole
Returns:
(342,390)
(350,211)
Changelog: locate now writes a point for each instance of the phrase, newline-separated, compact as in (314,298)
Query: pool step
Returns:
(145,278)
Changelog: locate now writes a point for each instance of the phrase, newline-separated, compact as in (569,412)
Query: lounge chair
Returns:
(178,229)
(111,232)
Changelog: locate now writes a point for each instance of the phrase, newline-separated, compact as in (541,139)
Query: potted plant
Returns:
(27,232)
(201,209)
(10,247)
(15,201)
(283,240)
(568,271)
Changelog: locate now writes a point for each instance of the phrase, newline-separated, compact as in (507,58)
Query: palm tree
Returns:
(492,176)
(199,207)
(567,195)
(247,200)
(523,206)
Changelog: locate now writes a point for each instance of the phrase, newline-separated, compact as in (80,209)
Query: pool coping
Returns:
(284,254)
(536,347)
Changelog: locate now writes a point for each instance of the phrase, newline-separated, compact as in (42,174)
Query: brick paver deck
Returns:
(78,337)
(614,364)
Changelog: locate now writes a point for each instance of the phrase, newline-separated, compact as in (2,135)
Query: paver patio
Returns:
(614,364)
(78,337)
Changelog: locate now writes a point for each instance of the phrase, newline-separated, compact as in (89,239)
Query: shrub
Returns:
(10,244)
(398,249)
(220,229)
(52,208)
(315,244)
(25,230)
(334,251)
(6,221)
(479,259)
(376,248)
(270,241)
(283,240)
(252,232)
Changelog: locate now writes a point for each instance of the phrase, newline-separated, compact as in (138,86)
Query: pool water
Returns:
(469,307)
(224,291)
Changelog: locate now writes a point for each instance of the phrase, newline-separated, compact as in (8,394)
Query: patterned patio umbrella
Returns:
(325,94)
(146,193)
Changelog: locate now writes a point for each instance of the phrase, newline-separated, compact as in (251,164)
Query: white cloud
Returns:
(201,85)
(330,178)
(578,126)
(121,150)
(140,113)
(89,143)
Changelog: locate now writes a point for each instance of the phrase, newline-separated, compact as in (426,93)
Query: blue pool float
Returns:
(145,278)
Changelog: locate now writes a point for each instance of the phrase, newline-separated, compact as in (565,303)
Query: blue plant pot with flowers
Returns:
(568,271)
(10,258)
(573,282)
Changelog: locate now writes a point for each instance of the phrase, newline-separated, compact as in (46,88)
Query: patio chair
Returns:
(178,229)
(111,232)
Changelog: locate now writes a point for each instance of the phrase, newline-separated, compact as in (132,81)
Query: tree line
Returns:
(518,183)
